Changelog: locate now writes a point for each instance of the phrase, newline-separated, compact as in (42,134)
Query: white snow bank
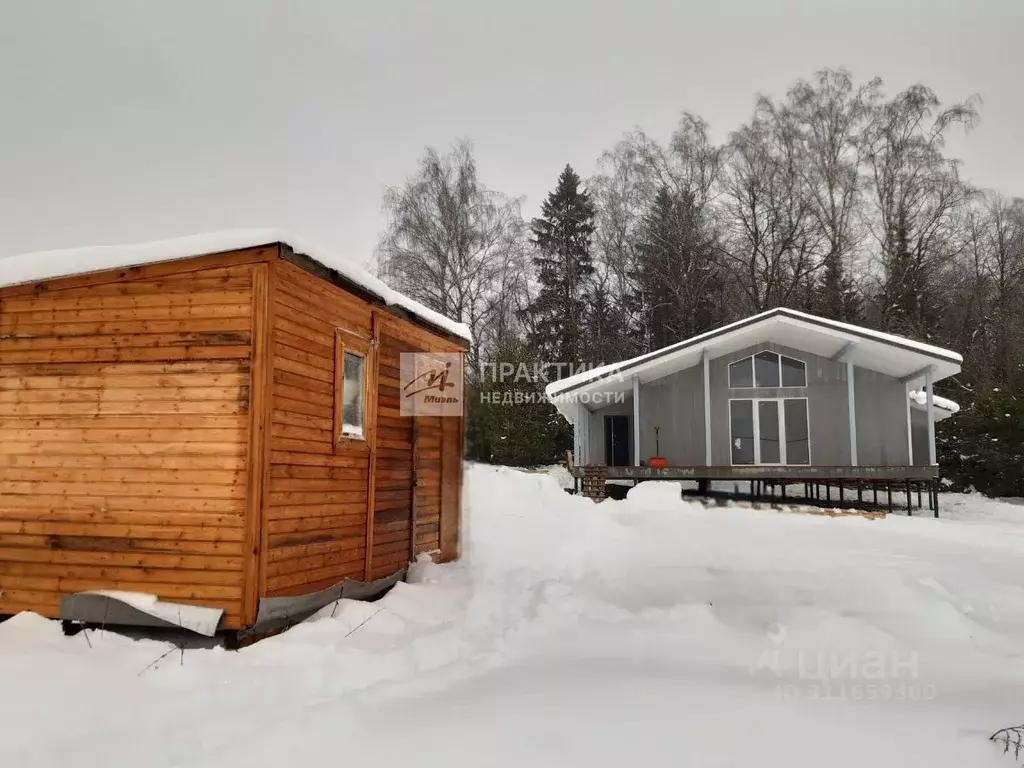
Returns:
(921,398)
(46,265)
(646,631)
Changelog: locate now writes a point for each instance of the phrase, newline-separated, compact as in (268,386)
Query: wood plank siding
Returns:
(418,472)
(320,486)
(124,411)
(315,511)
(174,429)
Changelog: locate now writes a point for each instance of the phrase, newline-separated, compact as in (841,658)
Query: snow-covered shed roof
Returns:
(47,265)
(885,353)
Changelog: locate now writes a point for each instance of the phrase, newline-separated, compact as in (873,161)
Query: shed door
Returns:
(426,472)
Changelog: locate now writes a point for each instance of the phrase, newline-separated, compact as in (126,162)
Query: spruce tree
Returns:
(512,423)
(607,330)
(836,294)
(565,270)
(675,272)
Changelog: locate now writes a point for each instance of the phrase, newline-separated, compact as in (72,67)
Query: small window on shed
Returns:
(353,395)
(741,373)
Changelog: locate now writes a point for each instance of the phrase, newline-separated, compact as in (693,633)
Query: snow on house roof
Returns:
(47,265)
(944,407)
(891,355)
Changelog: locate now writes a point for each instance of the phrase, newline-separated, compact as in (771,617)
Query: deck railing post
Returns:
(706,372)
(851,413)
(910,430)
(636,421)
(910,510)
(930,405)
(935,491)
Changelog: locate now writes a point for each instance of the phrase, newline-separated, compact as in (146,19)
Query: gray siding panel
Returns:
(919,426)
(597,427)
(881,404)
(676,405)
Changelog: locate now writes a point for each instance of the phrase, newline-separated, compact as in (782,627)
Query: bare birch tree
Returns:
(767,210)
(453,244)
(833,114)
(916,195)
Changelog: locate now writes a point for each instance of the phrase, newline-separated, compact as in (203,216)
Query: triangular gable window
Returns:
(767,369)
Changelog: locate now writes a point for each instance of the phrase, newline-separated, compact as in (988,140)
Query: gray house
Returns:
(780,395)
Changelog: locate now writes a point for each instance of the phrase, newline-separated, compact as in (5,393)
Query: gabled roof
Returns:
(885,353)
(47,265)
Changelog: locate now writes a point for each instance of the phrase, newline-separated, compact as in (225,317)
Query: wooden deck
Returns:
(871,487)
(788,473)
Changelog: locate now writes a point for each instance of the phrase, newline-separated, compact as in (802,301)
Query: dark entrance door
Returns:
(616,441)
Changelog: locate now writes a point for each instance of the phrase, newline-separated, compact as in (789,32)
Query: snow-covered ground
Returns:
(646,632)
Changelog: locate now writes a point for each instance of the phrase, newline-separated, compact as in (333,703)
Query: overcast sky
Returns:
(131,120)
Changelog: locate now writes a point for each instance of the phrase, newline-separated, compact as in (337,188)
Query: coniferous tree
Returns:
(835,199)
(982,447)
(565,270)
(675,272)
(606,326)
(835,295)
(513,424)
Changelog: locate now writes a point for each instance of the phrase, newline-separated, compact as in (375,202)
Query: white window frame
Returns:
(753,371)
(350,430)
(782,431)
(345,343)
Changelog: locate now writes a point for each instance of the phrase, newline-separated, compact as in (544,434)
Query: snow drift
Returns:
(648,631)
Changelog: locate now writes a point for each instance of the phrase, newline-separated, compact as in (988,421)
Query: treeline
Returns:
(837,199)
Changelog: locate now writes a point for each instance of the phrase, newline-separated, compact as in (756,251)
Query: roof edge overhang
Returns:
(891,355)
(31,269)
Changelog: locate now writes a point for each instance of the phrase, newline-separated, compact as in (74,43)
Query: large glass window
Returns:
(769,431)
(798,446)
(767,369)
(741,373)
(794,372)
(768,436)
(741,414)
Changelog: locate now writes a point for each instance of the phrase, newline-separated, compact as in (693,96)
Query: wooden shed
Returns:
(214,421)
